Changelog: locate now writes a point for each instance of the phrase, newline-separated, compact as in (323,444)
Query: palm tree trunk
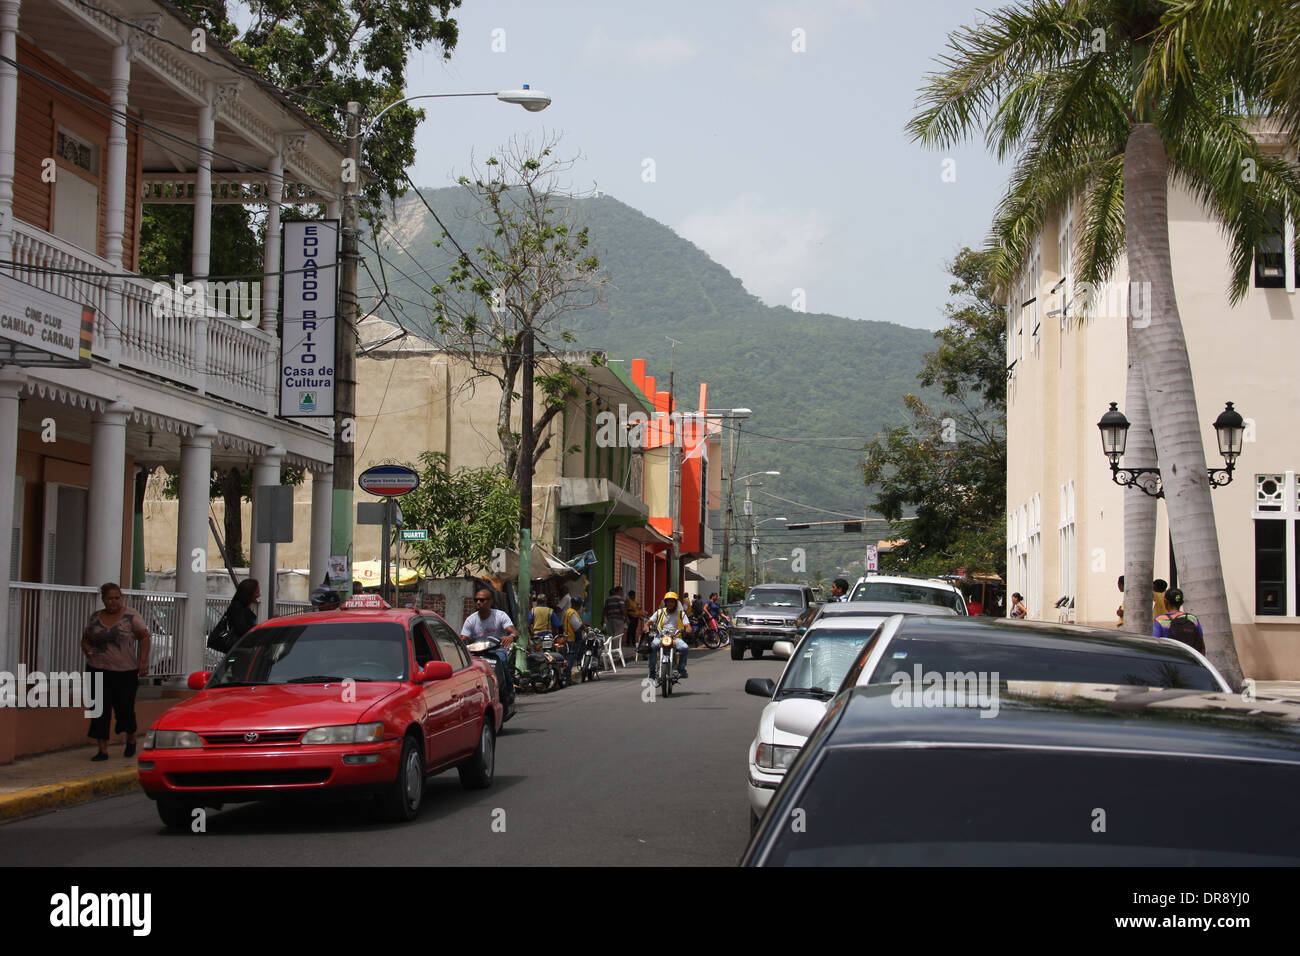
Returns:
(1171,396)
(1139,507)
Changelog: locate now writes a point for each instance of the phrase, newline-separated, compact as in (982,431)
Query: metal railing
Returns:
(46,622)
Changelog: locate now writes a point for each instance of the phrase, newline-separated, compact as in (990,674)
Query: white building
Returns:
(107,108)
(1065,514)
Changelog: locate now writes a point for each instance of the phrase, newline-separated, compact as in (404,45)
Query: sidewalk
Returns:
(65,778)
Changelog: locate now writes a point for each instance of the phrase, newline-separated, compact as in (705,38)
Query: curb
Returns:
(55,796)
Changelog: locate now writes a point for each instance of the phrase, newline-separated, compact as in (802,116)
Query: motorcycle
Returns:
(711,632)
(667,669)
(487,650)
(559,662)
(540,675)
(593,643)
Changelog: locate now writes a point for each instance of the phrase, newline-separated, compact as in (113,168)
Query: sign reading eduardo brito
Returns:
(310,310)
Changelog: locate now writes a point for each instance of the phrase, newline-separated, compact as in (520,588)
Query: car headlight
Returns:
(775,757)
(742,620)
(479,646)
(346,734)
(171,739)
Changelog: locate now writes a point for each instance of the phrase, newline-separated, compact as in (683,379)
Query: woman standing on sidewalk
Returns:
(116,644)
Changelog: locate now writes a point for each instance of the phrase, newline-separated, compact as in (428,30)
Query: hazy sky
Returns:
(789,168)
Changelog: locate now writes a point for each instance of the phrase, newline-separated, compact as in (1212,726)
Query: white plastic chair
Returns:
(613,644)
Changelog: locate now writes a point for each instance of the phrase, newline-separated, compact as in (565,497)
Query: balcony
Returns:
(211,354)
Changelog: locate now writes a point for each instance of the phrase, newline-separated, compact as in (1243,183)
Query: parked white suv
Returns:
(909,590)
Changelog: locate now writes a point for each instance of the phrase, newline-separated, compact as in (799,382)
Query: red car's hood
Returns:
(276,707)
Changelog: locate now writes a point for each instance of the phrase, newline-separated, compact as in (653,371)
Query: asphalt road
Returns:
(591,775)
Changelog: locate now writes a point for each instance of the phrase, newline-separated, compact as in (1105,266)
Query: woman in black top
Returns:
(240,616)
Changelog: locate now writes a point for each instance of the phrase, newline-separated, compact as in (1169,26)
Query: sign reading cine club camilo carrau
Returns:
(310,313)
(41,328)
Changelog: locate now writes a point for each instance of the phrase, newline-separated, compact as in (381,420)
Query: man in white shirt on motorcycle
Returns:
(669,621)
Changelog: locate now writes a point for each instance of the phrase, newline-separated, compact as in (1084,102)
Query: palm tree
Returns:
(1104,100)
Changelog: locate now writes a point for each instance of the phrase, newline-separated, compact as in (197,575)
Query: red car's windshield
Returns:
(316,653)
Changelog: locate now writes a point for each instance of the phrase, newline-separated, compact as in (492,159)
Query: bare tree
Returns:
(502,305)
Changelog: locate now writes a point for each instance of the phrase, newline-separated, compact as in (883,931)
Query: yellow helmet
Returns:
(673,595)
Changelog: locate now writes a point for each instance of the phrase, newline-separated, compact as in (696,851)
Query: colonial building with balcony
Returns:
(103,374)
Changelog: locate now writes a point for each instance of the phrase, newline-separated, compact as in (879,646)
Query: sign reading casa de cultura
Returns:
(310,311)
(41,328)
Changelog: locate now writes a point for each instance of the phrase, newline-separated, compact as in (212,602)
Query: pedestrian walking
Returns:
(116,645)
(615,613)
(568,641)
(1179,624)
(634,614)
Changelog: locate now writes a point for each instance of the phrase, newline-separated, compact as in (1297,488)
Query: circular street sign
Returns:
(388,481)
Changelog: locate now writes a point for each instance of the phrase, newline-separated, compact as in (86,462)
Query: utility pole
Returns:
(525,471)
(674,477)
(750,548)
(729,476)
(345,357)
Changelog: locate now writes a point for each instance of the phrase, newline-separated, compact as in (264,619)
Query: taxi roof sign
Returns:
(366,601)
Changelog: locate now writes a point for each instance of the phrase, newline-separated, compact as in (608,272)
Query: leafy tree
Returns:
(949,463)
(1104,101)
(501,306)
(468,515)
(325,53)
(232,485)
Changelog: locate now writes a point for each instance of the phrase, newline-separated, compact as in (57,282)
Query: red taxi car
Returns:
(366,700)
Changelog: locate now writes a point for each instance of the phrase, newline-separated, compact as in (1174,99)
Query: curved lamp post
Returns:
(1229,427)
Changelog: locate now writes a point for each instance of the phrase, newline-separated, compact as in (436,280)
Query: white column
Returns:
(8,122)
(266,471)
(271,247)
(192,544)
(12,380)
(201,251)
(322,503)
(115,195)
(104,505)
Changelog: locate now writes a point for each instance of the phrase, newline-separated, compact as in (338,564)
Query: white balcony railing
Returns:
(219,356)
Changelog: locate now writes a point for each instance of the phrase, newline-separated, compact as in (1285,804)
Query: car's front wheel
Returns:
(402,801)
(476,772)
(175,814)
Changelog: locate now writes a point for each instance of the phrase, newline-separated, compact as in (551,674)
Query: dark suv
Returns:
(771,613)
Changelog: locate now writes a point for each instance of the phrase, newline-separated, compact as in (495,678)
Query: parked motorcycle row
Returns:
(546,667)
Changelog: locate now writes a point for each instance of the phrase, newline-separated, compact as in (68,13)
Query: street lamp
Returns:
(766,562)
(345,336)
(1229,428)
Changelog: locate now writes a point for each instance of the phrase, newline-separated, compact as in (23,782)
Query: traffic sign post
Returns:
(388,482)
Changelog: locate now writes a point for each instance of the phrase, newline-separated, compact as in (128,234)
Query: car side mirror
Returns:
(435,670)
(784,650)
(198,680)
(760,686)
(799,717)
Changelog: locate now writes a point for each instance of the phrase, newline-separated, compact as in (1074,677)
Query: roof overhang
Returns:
(591,494)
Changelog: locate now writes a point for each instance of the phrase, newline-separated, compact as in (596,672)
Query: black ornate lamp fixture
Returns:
(1229,427)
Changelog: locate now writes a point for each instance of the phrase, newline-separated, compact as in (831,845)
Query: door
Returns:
(441,702)
(470,684)
(63,554)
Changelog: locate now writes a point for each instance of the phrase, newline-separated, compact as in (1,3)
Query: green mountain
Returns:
(808,377)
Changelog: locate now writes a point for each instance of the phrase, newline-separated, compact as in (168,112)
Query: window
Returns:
(627,576)
(423,648)
(1066,539)
(76,191)
(449,647)
(1065,252)
(1277,537)
(1276,259)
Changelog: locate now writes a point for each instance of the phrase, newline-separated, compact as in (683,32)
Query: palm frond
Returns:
(986,60)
